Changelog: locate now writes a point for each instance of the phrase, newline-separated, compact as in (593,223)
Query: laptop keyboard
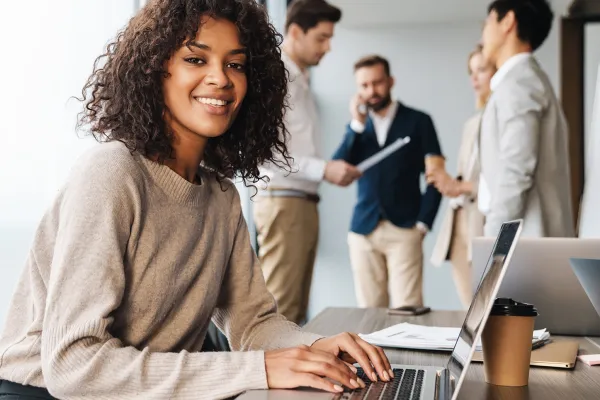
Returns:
(406,385)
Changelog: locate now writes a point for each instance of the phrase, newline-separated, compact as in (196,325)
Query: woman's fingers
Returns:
(348,344)
(308,379)
(367,355)
(352,367)
(336,373)
(307,367)
(386,362)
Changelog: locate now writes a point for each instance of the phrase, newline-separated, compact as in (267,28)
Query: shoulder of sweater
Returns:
(222,187)
(109,164)
(109,152)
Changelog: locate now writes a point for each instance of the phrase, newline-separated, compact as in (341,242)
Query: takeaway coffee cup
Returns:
(507,340)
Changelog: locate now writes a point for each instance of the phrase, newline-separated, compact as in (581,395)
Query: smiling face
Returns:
(206,81)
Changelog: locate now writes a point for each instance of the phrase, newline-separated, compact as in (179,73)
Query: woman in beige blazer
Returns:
(462,220)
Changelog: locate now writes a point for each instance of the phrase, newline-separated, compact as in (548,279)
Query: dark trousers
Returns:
(14,391)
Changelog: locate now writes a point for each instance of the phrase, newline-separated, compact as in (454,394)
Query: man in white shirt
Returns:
(285,213)
(523,140)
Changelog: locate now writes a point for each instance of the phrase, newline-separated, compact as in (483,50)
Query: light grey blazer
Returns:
(524,155)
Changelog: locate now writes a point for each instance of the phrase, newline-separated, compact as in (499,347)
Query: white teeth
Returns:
(212,102)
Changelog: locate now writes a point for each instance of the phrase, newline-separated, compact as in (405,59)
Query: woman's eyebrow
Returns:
(202,46)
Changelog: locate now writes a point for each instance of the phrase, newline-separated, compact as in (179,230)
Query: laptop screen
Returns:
(482,303)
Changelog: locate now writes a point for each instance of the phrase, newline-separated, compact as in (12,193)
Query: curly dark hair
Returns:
(124,98)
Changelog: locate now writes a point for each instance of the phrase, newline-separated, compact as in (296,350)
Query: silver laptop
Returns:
(429,383)
(541,275)
(588,273)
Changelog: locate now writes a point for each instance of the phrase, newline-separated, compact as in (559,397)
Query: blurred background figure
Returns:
(392,214)
(286,213)
(463,220)
(524,137)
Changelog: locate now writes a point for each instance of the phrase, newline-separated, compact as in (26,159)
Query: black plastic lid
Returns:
(511,308)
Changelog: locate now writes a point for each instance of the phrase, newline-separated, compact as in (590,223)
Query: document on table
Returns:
(380,155)
(409,336)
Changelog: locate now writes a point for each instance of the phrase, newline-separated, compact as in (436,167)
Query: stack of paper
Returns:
(409,336)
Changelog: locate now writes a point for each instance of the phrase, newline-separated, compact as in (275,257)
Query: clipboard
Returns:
(561,354)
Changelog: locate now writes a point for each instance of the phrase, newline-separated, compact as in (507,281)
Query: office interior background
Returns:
(49,49)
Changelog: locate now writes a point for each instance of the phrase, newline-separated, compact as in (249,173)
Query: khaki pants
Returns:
(288,233)
(459,257)
(387,266)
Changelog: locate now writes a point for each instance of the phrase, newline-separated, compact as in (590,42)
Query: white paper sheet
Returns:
(380,155)
(409,336)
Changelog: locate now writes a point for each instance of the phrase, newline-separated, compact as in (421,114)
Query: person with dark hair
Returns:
(524,136)
(392,215)
(146,241)
(285,211)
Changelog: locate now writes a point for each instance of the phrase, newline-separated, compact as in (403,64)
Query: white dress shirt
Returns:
(485,197)
(302,123)
(381,123)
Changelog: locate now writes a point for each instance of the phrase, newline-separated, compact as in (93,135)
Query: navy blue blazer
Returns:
(391,190)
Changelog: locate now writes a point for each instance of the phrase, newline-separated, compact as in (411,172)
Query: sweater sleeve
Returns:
(80,357)
(247,311)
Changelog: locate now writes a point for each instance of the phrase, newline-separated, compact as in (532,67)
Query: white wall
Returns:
(592,63)
(428,61)
(48,51)
(589,225)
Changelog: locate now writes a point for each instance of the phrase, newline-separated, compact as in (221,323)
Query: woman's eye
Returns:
(240,67)
(194,60)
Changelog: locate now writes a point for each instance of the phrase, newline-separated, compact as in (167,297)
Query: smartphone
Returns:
(409,310)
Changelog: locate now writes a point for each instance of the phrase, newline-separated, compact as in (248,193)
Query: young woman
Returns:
(463,221)
(146,241)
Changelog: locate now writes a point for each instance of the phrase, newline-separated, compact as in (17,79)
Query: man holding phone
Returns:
(392,215)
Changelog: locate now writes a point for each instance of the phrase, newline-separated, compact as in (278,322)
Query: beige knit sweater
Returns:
(126,270)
